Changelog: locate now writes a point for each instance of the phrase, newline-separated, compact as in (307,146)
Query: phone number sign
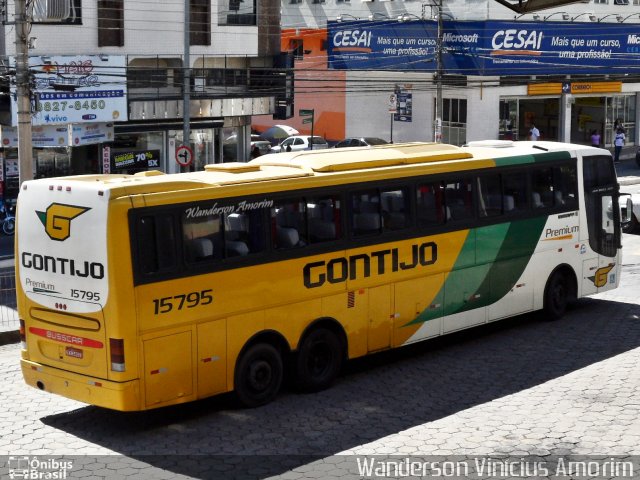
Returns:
(78,89)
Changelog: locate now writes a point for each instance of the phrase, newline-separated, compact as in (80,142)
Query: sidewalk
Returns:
(627,169)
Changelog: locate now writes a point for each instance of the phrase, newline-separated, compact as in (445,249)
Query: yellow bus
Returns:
(147,290)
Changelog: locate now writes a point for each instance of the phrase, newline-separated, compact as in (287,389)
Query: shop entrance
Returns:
(517,115)
(587,117)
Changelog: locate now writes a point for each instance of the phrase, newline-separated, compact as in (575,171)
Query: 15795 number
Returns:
(178,302)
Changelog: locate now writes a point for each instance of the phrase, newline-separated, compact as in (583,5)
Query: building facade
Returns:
(233,53)
(569,71)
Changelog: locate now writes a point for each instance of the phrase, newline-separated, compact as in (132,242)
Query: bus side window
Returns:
(430,204)
(490,195)
(288,224)
(365,211)
(514,190)
(394,211)
(458,200)
(542,188)
(202,238)
(156,244)
(323,218)
(565,185)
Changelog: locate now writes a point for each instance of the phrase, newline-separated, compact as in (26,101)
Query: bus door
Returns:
(602,212)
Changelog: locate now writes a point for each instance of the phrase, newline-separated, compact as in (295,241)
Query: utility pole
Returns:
(23,90)
(437,127)
(186,107)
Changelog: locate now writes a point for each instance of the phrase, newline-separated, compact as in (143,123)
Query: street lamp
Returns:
(592,17)
(565,16)
(628,16)
(405,17)
(375,15)
(345,16)
(618,17)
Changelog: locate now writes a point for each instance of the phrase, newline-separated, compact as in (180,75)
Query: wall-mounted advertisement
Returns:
(77,89)
(60,135)
(486,47)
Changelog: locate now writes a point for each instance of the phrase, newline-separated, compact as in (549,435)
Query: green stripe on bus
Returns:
(537,158)
(504,259)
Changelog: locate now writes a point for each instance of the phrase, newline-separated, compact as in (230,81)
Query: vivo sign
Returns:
(485,47)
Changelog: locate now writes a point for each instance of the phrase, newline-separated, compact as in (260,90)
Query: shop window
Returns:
(237,12)
(110,23)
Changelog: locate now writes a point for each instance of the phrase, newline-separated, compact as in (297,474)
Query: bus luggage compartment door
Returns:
(168,368)
(379,332)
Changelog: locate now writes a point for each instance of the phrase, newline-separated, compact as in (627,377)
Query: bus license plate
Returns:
(73,352)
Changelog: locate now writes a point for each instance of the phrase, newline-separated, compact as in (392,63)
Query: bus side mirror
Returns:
(626,209)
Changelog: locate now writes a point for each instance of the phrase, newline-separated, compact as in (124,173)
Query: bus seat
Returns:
(321,230)
(557,196)
(287,237)
(509,203)
(236,248)
(537,202)
(366,223)
(202,248)
(237,222)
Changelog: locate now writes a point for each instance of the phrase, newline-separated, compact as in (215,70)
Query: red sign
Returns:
(184,156)
(65,338)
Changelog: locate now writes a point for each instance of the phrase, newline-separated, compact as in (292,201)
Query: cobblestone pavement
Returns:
(521,387)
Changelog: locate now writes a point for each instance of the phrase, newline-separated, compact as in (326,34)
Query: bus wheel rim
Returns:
(260,375)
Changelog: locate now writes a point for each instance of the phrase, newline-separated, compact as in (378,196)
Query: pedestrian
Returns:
(595,138)
(618,143)
(534,133)
(255,152)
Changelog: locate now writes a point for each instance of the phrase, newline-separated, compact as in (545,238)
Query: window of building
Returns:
(200,22)
(454,120)
(237,12)
(110,23)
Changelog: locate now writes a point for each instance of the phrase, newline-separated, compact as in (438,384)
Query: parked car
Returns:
(361,142)
(296,143)
(230,146)
(634,225)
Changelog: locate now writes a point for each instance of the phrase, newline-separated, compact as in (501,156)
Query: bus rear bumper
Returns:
(124,396)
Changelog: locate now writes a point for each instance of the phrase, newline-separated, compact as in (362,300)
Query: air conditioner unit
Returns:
(51,10)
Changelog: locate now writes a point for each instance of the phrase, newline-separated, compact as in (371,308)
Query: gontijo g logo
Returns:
(57,219)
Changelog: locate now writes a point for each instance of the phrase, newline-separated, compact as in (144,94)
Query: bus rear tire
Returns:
(258,376)
(556,296)
(318,361)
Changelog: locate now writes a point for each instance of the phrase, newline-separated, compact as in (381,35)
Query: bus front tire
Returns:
(258,375)
(318,361)
(556,296)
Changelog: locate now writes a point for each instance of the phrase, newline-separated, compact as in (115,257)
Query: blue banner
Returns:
(486,47)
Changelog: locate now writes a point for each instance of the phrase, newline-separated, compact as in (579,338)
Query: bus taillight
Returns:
(116,345)
(23,335)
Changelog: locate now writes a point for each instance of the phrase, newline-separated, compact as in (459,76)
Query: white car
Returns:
(634,224)
(296,143)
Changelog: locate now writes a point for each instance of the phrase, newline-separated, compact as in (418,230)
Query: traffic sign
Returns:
(305,113)
(184,156)
(307,120)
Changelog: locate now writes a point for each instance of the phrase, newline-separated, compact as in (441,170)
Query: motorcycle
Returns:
(8,219)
